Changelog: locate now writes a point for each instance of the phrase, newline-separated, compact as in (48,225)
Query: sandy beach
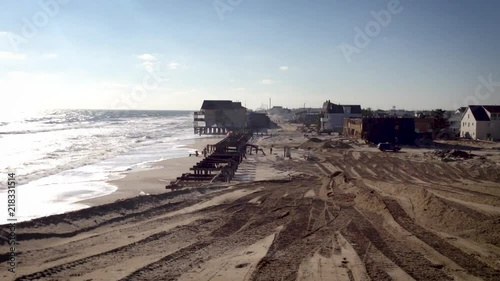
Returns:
(338,209)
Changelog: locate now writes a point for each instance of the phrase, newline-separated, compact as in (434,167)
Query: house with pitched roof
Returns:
(219,117)
(481,122)
(333,115)
(455,120)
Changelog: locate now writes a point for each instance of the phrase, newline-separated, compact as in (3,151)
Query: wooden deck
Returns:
(220,163)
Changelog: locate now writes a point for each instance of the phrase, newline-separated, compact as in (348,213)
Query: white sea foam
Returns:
(56,168)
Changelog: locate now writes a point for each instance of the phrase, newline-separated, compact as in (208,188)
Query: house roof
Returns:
(329,107)
(220,104)
(492,108)
(251,113)
(456,116)
(479,113)
(356,109)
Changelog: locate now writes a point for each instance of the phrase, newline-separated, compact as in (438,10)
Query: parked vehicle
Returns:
(388,146)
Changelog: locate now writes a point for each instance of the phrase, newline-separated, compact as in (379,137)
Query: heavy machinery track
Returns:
(295,222)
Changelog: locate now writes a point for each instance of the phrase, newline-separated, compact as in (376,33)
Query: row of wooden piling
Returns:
(220,161)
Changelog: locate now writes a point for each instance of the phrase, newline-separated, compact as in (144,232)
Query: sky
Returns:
(130,54)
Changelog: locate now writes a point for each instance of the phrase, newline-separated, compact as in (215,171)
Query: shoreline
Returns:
(154,179)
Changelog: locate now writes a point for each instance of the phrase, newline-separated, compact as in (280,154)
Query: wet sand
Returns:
(153,181)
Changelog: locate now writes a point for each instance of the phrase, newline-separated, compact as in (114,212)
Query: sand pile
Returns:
(438,213)
(312,143)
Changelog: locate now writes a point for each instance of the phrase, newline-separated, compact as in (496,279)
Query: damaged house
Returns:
(219,117)
(333,115)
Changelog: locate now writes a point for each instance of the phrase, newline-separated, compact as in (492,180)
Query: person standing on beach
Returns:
(271,150)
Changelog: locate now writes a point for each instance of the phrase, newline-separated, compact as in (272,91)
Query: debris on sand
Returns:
(310,157)
(315,140)
(336,144)
(318,143)
(450,155)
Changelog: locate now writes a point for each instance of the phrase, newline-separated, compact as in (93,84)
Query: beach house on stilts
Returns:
(218,117)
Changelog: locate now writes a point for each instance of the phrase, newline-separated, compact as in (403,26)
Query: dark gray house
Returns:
(333,115)
(219,117)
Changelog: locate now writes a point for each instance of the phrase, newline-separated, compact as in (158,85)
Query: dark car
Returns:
(388,146)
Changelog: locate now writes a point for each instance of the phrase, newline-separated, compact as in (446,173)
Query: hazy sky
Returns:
(174,54)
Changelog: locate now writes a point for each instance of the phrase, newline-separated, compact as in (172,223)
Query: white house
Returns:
(456,120)
(481,122)
(333,115)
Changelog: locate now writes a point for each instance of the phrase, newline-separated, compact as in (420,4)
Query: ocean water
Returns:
(61,157)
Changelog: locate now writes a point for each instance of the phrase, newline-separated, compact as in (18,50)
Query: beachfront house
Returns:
(258,122)
(481,122)
(377,130)
(333,115)
(220,117)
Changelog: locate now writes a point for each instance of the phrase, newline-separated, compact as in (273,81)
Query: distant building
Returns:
(220,117)
(423,113)
(333,115)
(258,121)
(377,130)
(456,120)
(308,118)
(402,113)
(481,122)
(278,110)
(380,113)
